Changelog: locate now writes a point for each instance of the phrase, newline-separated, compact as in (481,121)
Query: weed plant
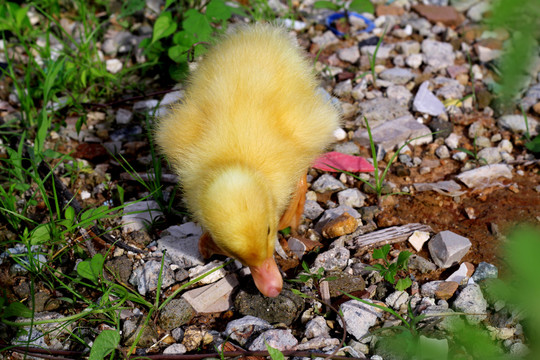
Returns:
(377,186)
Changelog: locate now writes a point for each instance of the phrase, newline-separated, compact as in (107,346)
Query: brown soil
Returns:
(496,210)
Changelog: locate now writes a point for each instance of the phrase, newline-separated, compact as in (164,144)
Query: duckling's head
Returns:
(240,214)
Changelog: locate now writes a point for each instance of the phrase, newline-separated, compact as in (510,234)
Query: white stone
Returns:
(417,239)
(485,176)
(340,134)
(359,317)
(139,215)
(114,66)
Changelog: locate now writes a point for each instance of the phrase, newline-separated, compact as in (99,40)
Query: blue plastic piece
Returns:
(336,16)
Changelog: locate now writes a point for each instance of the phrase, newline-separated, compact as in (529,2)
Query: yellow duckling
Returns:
(241,141)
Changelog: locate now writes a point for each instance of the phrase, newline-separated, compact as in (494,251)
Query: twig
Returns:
(134,98)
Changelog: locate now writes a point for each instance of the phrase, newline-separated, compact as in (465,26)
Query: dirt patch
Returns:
(495,210)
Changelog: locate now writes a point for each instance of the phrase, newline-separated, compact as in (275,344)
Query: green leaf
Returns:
(198,25)
(106,342)
(382,252)
(362,6)
(218,10)
(403,259)
(390,277)
(275,354)
(69,214)
(20,17)
(403,284)
(534,144)
(164,26)
(91,269)
(95,213)
(17,309)
(52,78)
(326,5)
(41,234)
(305,267)
(178,53)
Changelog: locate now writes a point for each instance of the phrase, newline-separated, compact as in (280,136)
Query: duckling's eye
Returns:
(269,231)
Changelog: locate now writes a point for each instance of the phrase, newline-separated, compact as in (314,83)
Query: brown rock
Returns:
(389,10)
(470,269)
(490,43)
(342,225)
(455,70)
(443,14)
(446,290)
(536,108)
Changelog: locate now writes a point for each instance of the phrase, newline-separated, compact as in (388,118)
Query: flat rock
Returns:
(331,214)
(182,244)
(244,329)
(202,269)
(280,339)
(394,132)
(212,298)
(318,343)
(146,277)
(446,15)
(421,264)
(350,54)
(428,289)
(312,209)
(417,239)
(140,215)
(471,300)
(317,327)
(327,182)
(516,124)
(297,247)
(445,187)
(396,75)
(490,155)
(396,299)
(447,248)
(408,47)
(176,313)
(336,258)
(359,317)
(381,109)
(400,94)
(426,102)
(284,308)
(326,39)
(438,55)
(342,225)
(463,5)
(446,290)
(351,197)
(463,274)
(382,54)
(485,176)
(485,271)
(343,282)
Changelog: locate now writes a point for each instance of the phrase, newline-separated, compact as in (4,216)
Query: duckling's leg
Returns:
(292,216)
(207,246)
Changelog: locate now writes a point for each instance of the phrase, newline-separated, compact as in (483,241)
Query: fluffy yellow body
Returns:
(250,125)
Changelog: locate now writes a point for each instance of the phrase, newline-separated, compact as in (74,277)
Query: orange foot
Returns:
(292,216)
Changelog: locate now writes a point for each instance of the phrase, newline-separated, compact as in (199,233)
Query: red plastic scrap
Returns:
(341,161)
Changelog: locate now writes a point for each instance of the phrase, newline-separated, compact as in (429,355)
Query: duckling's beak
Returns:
(267,277)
